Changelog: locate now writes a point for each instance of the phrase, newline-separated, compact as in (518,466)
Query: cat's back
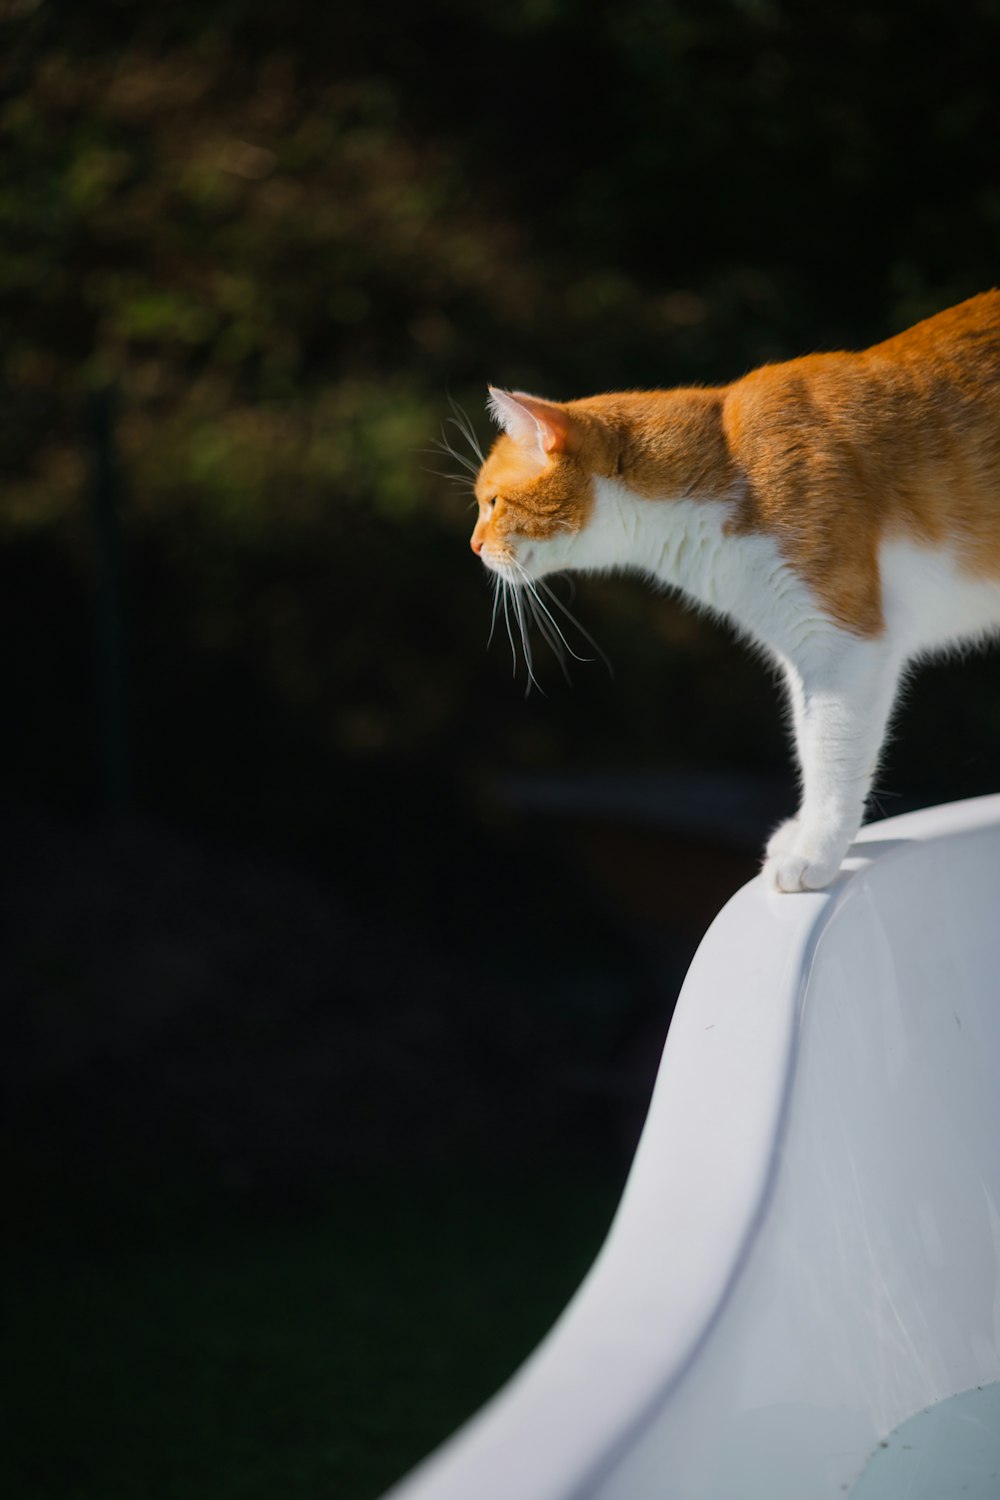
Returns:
(967,335)
(909,411)
(843,452)
(958,348)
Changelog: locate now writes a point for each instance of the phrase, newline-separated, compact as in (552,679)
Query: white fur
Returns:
(931,602)
(518,422)
(841,687)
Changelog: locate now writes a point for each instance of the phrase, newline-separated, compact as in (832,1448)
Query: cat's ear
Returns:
(532,422)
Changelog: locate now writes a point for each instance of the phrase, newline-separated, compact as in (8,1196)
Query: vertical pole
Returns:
(112,695)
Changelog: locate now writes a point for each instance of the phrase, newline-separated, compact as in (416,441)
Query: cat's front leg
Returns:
(784,838)
(840,707)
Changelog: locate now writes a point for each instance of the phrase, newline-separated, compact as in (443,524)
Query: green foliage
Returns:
(286,238)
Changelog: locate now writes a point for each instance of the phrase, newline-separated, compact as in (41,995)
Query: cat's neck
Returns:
(669,511)
(669,445)
(685,543)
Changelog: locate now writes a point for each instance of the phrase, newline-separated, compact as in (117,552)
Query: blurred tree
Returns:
(287,236)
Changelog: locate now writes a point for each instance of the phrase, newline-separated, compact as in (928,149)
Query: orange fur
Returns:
(830,454)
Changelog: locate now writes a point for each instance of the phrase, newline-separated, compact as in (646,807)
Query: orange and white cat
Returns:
(841,510)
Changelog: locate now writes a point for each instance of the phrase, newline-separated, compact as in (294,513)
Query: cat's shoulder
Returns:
(970,320)
(962,343)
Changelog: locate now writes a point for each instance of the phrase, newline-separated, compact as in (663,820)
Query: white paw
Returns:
(798,872)
(784,837)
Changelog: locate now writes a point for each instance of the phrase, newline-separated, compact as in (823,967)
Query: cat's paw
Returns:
(784,838)
(789,872)
(805,856)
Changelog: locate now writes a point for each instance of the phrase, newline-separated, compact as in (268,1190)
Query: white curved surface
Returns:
(807,1252)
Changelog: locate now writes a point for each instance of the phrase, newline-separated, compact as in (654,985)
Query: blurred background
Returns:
(335,970)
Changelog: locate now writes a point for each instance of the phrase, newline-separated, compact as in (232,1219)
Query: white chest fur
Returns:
(684,544)
(930,602)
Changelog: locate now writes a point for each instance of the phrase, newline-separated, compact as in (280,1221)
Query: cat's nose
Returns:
(477,545)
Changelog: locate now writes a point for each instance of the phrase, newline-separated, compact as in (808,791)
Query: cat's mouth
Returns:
(510,565)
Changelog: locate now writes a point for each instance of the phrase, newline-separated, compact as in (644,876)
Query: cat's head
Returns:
(535,490)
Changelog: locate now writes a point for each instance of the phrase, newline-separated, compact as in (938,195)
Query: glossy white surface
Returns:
(807,1252)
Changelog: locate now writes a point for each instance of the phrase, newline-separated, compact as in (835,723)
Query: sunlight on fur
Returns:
(841,511)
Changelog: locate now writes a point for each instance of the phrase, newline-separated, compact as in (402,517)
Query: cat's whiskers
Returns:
(469,465)
(462,480)
(505,586)
(518,593)
(507,591)
(460,419)
(554,597)
(512,585)
(548,624)
(552,640)
(519,597)
(443,445)
(496,605)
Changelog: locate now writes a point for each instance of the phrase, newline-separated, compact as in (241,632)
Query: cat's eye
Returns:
(491,502)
